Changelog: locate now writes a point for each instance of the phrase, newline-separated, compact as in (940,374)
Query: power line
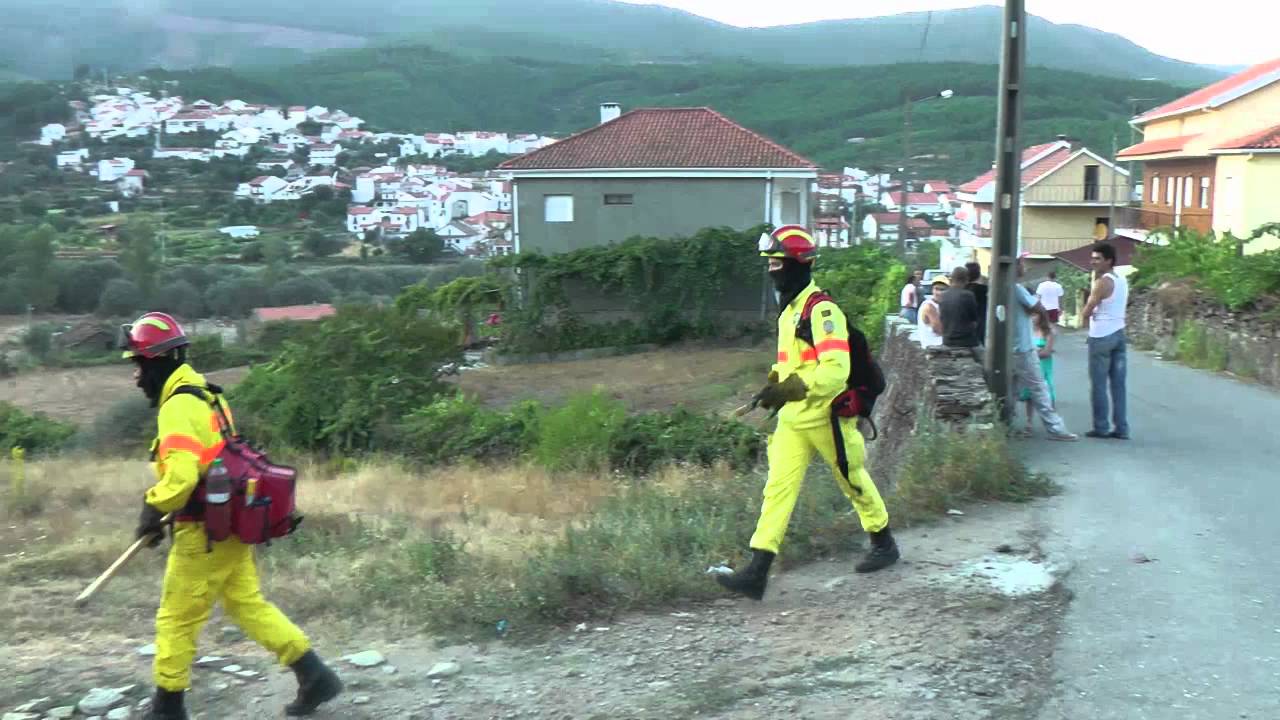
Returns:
(924,40)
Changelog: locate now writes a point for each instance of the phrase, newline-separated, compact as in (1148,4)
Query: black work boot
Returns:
(316,684)
(166,705)
(884,552)
(752,580)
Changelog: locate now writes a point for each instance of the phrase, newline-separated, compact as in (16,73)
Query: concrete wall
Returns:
(1248,196)
(668,207)
(946,382)
(1251,342)
(1047,229)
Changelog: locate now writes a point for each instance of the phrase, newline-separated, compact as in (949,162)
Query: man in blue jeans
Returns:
(1104,318)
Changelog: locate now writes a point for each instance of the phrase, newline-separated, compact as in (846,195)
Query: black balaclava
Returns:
(155,373)
(791,280)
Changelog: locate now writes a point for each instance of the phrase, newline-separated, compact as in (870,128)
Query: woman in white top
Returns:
(929,327)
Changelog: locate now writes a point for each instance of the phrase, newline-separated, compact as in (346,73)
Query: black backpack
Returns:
(866,379)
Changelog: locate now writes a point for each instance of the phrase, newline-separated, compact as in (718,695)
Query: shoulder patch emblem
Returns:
(829,327)
(826,313)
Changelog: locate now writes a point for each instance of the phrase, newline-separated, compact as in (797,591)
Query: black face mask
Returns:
(155,373)
(791,280)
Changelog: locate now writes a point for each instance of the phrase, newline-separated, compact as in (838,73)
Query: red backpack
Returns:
(271,512)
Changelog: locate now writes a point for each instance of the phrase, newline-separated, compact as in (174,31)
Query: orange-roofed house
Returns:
(1211,159)
(1067,192)
(663,172)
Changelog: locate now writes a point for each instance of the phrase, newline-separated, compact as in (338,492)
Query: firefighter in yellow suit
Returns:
(199,573)
(802,385)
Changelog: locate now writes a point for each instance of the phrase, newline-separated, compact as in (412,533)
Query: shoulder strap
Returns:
(811,303)
(224,422)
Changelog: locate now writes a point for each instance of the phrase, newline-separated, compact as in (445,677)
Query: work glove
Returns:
(776,394)
(150,523)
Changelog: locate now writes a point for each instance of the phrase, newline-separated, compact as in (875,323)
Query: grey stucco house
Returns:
(661,172)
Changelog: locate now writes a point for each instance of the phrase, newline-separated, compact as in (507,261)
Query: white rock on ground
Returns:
(209,660)
(35,706)
(366,659)
(61,713)
(232,669)
(100,700)
(444,669)
(120,713)
(147,650)
(19,716)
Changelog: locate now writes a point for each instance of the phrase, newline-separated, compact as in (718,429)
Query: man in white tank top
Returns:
(1104,317)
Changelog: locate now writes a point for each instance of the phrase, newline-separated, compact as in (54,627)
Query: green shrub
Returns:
(36,433)
(121,297)
(645,442)
(124,427)
(38,340)
(1216,264)
(209,352)
(578,434)
(453,428)
(345,382)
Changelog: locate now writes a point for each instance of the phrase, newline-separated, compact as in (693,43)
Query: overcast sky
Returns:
(1224,32)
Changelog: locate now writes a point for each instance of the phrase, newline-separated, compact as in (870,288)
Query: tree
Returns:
(420,246)
(80,284)
(180,298)
(34,204)
(35,269)
(81,72)
(139,255)
(302,290)
(236,297)
(318,244)
(276,251)
(121,297)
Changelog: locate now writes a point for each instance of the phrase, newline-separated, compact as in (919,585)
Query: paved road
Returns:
(1195,633)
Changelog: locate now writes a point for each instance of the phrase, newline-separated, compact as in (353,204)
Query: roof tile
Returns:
(1268,139)
(663,138)
(1154,147)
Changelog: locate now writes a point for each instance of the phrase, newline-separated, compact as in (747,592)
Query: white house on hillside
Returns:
(113,169)
(52,133)
(324,154)
(72,158)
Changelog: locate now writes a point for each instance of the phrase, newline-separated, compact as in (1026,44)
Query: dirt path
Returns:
(923,640)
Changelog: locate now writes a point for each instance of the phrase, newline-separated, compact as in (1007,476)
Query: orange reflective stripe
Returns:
(185,443)
(808,354)
(831,344)
(210,453)
(782,356)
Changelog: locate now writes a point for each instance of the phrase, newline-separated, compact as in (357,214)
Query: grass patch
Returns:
(1198,349)
(945,468)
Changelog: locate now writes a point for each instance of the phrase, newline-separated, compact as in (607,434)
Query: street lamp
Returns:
(906,157)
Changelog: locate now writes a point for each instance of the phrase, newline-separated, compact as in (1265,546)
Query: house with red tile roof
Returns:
(1067,193)
(665,172)
(1211,159)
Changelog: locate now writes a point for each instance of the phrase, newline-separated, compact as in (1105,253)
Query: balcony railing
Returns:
(1075,194)
(1149,218)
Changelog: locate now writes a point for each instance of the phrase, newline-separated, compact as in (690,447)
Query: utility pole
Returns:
(906,184)
(1115,171)
(1013,42)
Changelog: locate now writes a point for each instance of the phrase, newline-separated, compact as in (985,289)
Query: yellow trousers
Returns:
(194,579)
(790,451)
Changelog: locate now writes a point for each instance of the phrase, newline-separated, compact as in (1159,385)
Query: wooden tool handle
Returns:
(110,572)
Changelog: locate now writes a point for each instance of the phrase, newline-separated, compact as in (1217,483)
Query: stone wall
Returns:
(946,382)
(1245,343)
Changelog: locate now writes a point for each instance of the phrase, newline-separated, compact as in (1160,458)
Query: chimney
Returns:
(609,111)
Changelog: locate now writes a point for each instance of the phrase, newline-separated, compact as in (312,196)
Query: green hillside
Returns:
(46,38)
(813,110)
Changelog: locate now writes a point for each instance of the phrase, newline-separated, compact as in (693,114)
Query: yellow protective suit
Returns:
(805,426)
(196,577)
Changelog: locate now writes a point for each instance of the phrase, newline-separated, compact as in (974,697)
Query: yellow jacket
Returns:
(187,441)
(823,366)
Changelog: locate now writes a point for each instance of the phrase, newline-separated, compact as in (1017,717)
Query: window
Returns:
(558,208)
(1188,189)
(1204,193)
(1091,183)
(1155,189)
(790,207)
(620,199)
(1168,191)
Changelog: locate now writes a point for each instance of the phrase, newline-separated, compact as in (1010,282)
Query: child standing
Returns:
(1044,344)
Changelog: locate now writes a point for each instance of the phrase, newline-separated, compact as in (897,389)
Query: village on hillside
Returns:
(401,194)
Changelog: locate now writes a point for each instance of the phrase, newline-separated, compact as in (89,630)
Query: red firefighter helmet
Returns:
(789,241)
(152,335)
